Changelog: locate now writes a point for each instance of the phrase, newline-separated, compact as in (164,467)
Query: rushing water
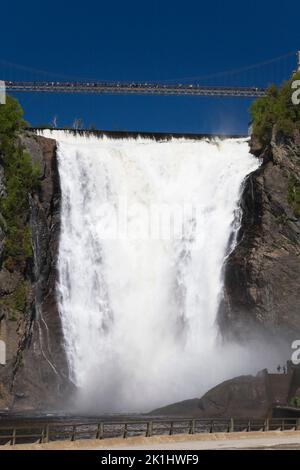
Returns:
(145,229)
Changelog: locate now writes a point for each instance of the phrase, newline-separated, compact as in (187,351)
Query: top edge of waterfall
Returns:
(135,135)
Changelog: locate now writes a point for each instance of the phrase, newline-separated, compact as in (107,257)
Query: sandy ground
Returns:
(243,440)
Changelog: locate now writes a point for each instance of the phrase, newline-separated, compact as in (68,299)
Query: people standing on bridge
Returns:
(278,369)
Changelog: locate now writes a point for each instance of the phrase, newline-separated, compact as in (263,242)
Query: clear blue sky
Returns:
(145,41)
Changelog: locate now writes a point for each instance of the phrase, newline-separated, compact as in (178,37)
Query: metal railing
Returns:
(47,432)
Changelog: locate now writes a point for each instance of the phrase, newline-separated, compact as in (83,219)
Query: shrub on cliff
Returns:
(275,109)
(21,177)
(11,118)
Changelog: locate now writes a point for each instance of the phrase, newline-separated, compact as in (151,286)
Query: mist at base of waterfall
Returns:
(145,229)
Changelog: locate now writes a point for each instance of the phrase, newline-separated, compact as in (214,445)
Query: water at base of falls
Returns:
(145,229)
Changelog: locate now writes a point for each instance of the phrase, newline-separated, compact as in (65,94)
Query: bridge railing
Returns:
(55,431)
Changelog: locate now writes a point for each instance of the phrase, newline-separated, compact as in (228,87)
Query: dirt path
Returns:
(243,440)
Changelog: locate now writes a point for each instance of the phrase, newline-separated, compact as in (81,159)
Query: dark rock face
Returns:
(246,396)
(240,397)
(262,295)
(36,373)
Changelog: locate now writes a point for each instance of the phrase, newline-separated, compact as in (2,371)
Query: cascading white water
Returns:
(144,233)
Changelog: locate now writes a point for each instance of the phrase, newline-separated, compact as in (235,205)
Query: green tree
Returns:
(21,178)
(275,109)
(11,118)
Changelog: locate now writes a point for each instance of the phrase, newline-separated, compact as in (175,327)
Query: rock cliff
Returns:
(262,295)
(35,373)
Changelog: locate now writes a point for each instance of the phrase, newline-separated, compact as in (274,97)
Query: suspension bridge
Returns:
(137,88)
(134,89)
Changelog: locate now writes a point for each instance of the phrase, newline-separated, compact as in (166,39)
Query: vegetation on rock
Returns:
(277,112)
(277,109)
(21,177)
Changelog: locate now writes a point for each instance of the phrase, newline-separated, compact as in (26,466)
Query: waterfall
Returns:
(145,229)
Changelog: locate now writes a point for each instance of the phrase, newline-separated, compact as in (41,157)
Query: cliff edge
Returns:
(261,293)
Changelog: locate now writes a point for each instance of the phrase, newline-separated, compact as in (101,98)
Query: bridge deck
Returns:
(134,89)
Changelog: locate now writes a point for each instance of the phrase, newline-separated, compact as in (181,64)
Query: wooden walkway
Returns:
(44,432)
